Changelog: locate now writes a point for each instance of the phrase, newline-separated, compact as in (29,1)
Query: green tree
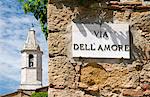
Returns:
(40,94)
(39,10)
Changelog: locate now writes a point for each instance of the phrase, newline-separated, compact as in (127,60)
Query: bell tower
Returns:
(31,63)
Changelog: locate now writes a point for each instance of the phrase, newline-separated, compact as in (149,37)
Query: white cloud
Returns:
(2,23)
(10,71)
(22,20)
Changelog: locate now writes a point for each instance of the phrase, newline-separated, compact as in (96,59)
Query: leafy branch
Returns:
(39,10)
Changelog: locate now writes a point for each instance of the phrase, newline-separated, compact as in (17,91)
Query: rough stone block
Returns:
(61,72)
(139,25)
(93,74)
(58,43)
(59,18)
(82,85)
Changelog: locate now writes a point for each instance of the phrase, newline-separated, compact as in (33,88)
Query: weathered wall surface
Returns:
(70,77)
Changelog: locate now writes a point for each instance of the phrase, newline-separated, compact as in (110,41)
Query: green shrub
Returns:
(40,94)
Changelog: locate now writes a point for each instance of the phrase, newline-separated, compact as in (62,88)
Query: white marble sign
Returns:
(106,41)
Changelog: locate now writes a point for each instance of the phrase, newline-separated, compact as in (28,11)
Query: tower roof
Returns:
(31,42)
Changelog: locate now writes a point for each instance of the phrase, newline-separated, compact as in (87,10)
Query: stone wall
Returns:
(82,77)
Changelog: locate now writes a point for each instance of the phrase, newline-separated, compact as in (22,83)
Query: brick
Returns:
(147,93)
(145,87)
(133,93)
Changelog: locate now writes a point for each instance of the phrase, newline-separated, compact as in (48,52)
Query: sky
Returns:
(14,25)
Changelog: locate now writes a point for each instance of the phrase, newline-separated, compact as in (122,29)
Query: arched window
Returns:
(31,60)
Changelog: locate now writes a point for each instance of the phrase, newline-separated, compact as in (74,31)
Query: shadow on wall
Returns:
(103,28)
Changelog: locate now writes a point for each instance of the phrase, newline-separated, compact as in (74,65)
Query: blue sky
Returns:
(14,25)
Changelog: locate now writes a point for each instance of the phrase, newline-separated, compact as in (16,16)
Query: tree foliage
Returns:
(39,10)
(40,94)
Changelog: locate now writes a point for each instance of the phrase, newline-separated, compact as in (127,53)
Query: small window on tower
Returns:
(30,60)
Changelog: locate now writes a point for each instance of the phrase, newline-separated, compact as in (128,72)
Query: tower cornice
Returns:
(31,50)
